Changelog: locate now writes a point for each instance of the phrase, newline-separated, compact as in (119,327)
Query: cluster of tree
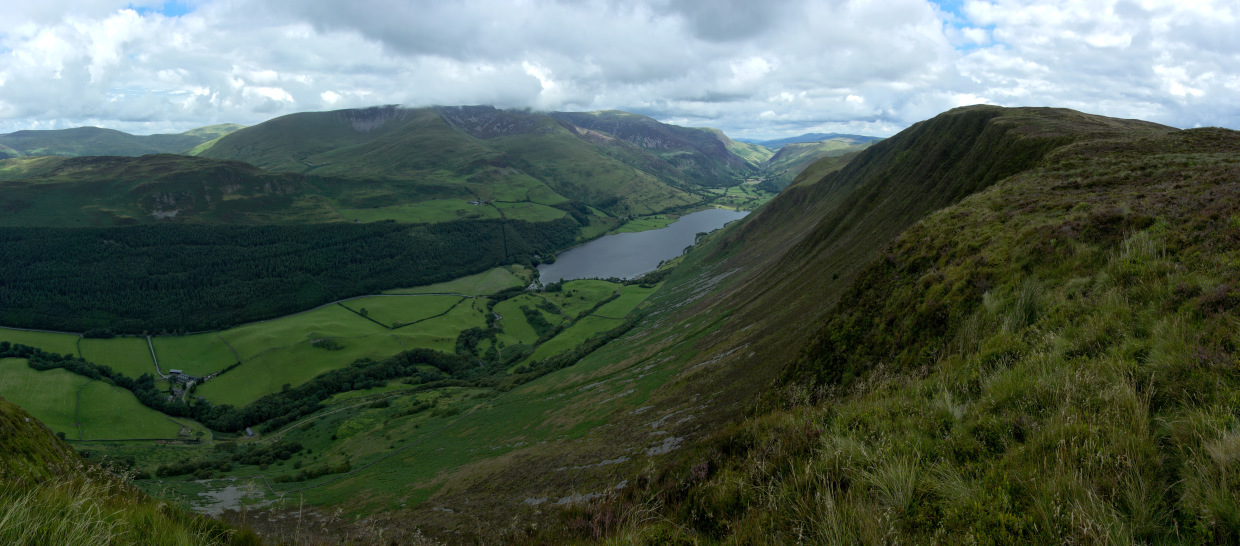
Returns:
(315,472)
(468,340)
(537,321)
(175,277)
(281,450)
(42,360)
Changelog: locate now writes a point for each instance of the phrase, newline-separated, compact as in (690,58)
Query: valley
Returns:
(1002,324)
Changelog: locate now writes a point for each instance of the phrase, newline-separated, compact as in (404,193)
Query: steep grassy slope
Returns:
(94,141)
(1052,360)
(48,495)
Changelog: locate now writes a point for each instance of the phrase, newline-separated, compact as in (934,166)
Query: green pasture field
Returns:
(630,297)
(646,223)
(480,284)
(289,357)
(598,226)
(399,310)
(529,211)
(581,295)
(112,413)
(128,355)
(49,395)
(440,333)
(331,321)
(292,364)
(434,211)
(517,187)
(65,344)
(515,328)
(573,336)
(555,406)
(198,355)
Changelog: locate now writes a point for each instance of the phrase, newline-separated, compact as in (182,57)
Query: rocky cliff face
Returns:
(487,122)
(365,120)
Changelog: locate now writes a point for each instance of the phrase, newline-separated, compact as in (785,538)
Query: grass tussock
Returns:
(49,495)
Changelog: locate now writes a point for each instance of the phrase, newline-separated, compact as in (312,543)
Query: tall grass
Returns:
(80,512)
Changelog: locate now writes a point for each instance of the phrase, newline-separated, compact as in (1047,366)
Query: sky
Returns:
(754,69)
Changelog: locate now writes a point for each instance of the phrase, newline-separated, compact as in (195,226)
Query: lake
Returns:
(627,255)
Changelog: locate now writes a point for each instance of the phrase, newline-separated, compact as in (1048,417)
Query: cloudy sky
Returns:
(754,69)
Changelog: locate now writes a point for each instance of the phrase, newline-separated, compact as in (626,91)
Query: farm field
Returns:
(198,354)
(282,351)
(439,210)
(50,395)
(65,344)
(293,365)
(580,295)
(516,329)
(480,284)
(573,336)
(646,223)
(130,356)
(440,333)
(630,297)
(529,211)
(399,310)
(331,321)
(112,413)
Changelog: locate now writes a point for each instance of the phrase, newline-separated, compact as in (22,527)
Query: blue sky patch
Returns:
(171,8)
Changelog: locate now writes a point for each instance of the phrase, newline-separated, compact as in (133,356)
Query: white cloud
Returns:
(750,68)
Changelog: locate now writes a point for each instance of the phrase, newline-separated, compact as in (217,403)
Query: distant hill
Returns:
(95,141)
(795,157)
(113,190)
(621,163)
(704,156)
(809,137)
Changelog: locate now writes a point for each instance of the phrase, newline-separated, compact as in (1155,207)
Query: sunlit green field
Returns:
(111,413)
(481,284)
(65,344)
(439,210)
(130,356)
(532,212)
(630,297)
(284,351)
(646,223)
(50,395)
(395,311)
(198,355)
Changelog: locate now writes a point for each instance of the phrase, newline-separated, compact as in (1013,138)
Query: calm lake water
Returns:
(627,255)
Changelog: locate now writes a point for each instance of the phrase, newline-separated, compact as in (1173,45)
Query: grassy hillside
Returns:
(49,495)
(107,191)
(1051,360)
(95,141)
(703,156)
(477,152)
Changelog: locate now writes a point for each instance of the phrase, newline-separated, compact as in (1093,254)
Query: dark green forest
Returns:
(178,278)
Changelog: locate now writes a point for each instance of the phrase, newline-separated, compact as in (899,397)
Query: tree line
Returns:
(167,278)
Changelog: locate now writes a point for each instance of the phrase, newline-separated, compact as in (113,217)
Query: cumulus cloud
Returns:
(759,69)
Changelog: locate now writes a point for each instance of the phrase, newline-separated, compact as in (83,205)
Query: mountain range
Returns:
(1000,325)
